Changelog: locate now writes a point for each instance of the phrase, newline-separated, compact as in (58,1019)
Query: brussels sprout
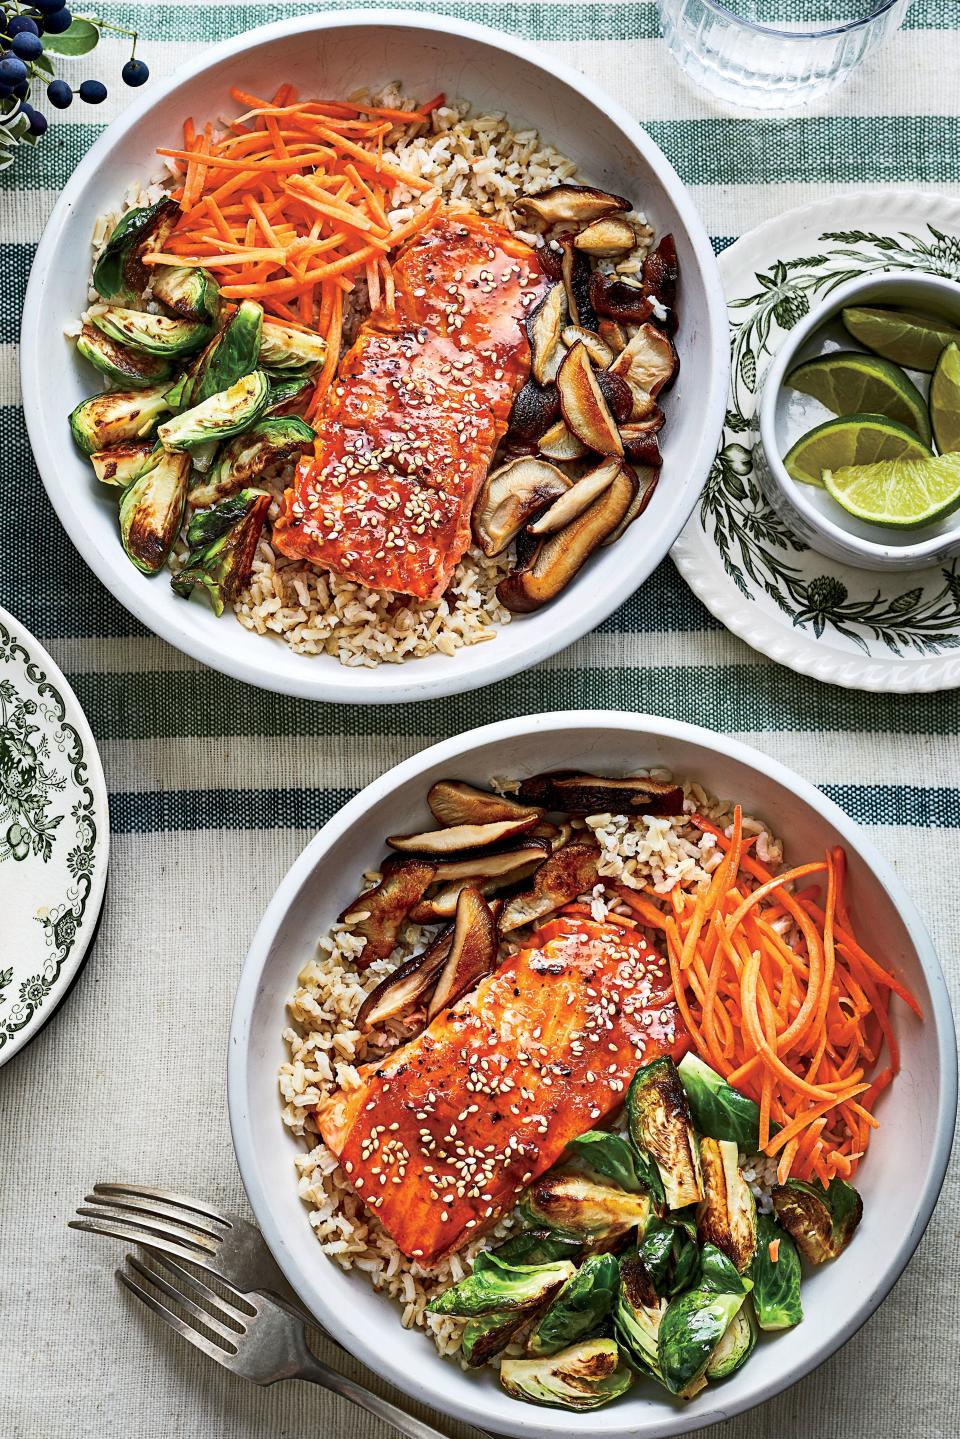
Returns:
(151,510)
(249,454)
(496,1287)
(660,1123)
(686,1265)
(820,1221)
(117,417)
(719,1273)
(223,542)
(230,355)
(734,1348)
(537,1246)
(191,292)
(670,1255)
(582,1377)
(176,395)
(120,365)
(580,1307)
(157,334)
(776,1282)
(120,273)
(582,1209)
(484,1337)
(691,1328)
(289,393)
(121,464)
(727,1214)
(219,417)
(614,1157)
(637,1315)
(286,349)
(717,1108)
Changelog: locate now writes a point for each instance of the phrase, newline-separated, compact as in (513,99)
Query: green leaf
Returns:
(42,63)
(80,39)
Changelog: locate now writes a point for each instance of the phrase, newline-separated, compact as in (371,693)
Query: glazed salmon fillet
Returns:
(441,1137)
(421,402)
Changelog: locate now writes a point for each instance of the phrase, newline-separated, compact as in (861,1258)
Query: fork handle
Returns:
(316,1373)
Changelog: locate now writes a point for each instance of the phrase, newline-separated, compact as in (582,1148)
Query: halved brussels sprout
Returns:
(191,291)
(638,1313)
(496,1286)
(221,416)
(582,1377)
(122,463)
(820,1221)
(614,1157)
(537,1246)
(719,1273)
(120,273)
(151,510)
(285,349)
(660,1123)
(582,1209)
(230,355)
(249,454)
(692,1326)
(157,334)
(717,1108)
(670,1254)
(776,1282)
(117,417)
(484,1337)
(177,392)
(223,542)
(120,365)
(734,1348)
(289,393)
(727,1214)
(579,1309)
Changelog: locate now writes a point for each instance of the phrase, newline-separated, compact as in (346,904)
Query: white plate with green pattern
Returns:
(884,631)
(54,836)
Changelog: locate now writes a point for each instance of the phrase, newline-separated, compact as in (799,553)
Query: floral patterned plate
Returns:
(884,631)
(54,836)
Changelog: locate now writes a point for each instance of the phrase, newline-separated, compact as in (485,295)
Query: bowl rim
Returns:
(389,683)
(871,552)
(544,1423)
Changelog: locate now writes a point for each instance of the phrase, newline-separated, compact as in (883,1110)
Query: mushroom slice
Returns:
(610,235)
(584,409)
(598,350)
(561,555)
(576,499)
(500,866)
(559,443)
(462,839)
(473,951)
(544,328)
(564,789)
(641,446)
(628,304)
(612,334)
(647,478)
(579,203)
(576,282)
(452,801)
(649,362)
(386,906)
(618,395)
(407,986)
(569,872)
(534,411)
(510,497)
(661,272)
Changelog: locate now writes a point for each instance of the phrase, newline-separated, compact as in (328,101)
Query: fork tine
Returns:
(166,1196)
(232,1333)
(203,1291)
(221,1354)
(156,1209)
(197,1242)
(134,1235)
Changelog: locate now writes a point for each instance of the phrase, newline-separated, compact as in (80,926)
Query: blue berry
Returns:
(22,90)
(47,7)
(59,21)
(135,72)
(12,70)
(93,92)
(59,94)
(22,25)
(38,122)
(27,46)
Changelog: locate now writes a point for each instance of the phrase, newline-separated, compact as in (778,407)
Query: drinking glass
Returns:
(774,54)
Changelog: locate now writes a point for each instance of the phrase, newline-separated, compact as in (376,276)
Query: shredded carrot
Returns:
(773,1249)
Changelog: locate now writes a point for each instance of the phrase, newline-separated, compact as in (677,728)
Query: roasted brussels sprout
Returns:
(223,542)
(246,456)
(219,417)
(717,1108)
(117,418)
(121,365)
(727,1214)
(191,291)
(120,273)
(776,1281)
(692,1326)
(537,1246)
(496,1286)
(122,463)
(660,1123)
(582,1377)
(734,1348)
(151,509)
(230,355)
(582,1209)
(670,1255)
(289,393)
(285,349)
(157,334)
(579,1309)
(719,1273)
(484,1337)
(614,1157)
(637,1315)
(820,1221)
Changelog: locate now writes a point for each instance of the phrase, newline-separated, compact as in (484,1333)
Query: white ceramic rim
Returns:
(710,1410)
(75,715)
(870,550)
(469,669)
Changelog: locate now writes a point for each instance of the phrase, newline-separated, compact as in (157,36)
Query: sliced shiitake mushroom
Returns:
(534,411)
(585,411)
(490,875)
(576,282)
(597,794)
(612,334)
(561,555)
(647,478)
(452,801)
(560,443)
(550,255)
(408,986)
(661,271)
(598,350)
(628,304)
(386,906)
(617,393)
(566,202)
(649,361)
(462,839)
(473,951)
(544,328)
(510,497)
(641,446)
(611,235)
(576,499)
(566,874)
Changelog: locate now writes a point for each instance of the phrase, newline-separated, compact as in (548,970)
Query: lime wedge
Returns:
(904,336)
(853,440)
(851,383)
(945,400)
(898,493)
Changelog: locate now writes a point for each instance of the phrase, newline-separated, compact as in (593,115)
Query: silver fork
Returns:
(253,1336)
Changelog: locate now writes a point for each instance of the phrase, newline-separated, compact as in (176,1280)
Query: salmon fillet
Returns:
(421,402)
(441,1137)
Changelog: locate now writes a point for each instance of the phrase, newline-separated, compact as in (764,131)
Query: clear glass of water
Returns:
(774,54)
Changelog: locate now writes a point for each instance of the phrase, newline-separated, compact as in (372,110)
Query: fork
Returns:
(254,1336)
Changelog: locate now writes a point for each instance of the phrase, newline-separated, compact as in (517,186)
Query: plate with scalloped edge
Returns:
(54,836)
(884,631)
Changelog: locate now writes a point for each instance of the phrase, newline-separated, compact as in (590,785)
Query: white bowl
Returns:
(333,55)
(900,1181)
(812,513)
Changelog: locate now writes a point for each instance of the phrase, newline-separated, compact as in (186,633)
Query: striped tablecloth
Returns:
(215,787)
